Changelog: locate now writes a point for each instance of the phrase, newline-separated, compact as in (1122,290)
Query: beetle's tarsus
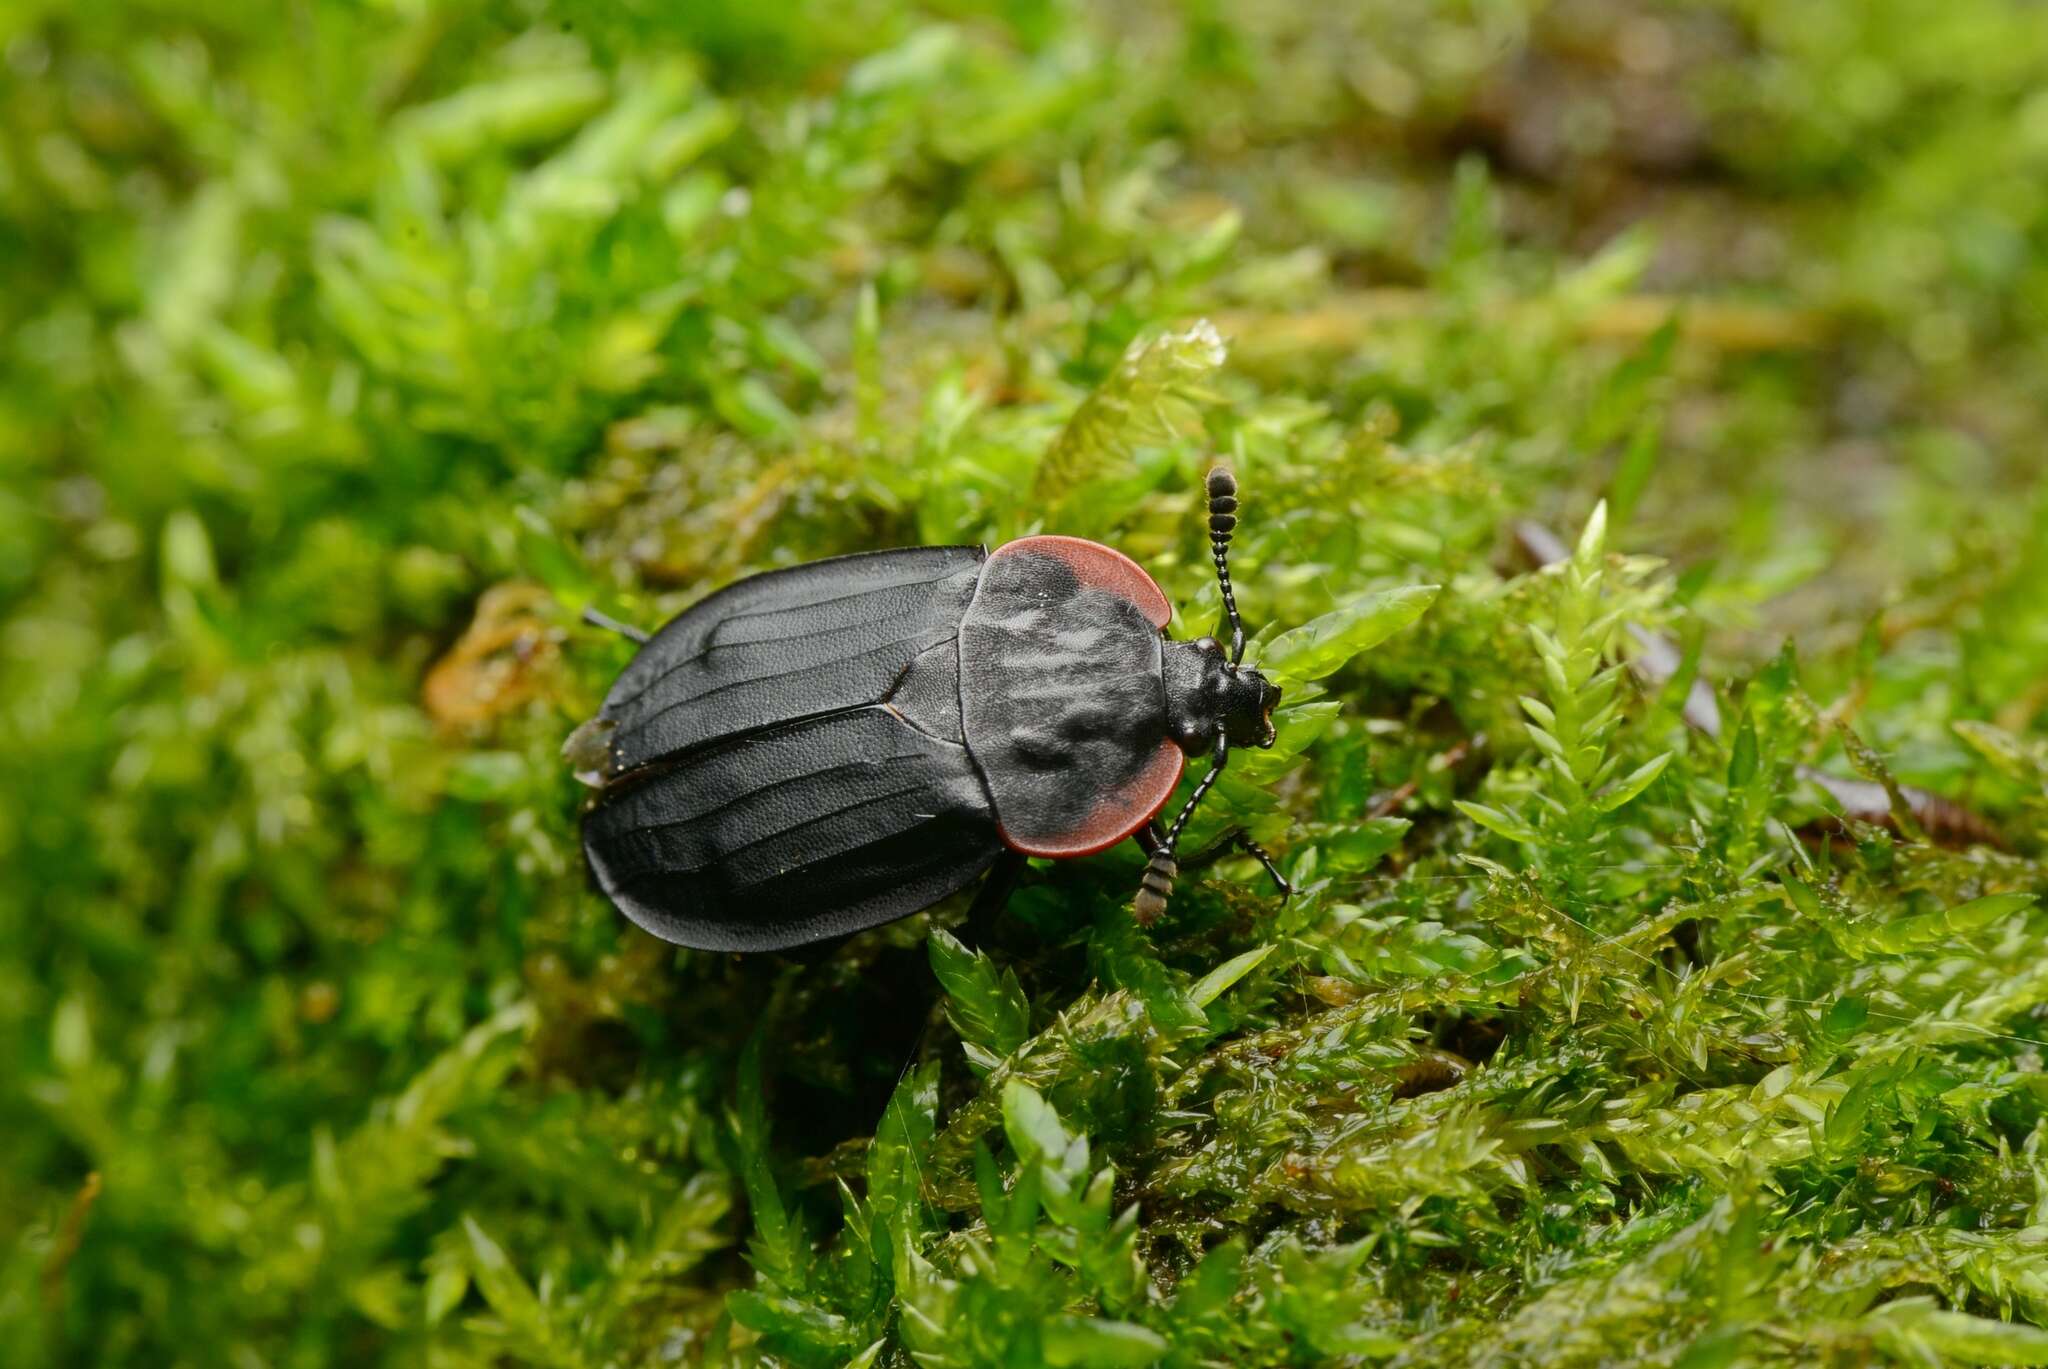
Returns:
(611,624)
(1155,887)
(1263,857)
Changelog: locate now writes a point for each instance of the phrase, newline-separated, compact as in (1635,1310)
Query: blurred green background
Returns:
(352,348)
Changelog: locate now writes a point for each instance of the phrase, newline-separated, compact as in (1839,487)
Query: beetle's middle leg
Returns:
(1237,841)
(994,893)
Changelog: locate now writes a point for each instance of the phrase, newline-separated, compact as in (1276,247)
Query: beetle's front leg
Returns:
(1163,867)
(1155,886)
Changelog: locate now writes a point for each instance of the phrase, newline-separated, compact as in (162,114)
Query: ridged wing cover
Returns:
(1062,695)
(794,834)
(784,645)
(785,760)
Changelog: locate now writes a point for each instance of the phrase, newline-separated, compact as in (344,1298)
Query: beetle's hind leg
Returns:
(611,624)
(993,896)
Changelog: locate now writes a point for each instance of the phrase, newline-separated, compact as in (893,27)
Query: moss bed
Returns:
(1666,983)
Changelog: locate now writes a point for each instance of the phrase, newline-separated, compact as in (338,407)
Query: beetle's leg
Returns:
(611,624)
(1231,843)
(1222,523)
(1219,758)
(1156,886)
(992,896)
(1265,859)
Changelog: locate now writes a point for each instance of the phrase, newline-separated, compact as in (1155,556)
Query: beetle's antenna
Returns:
(611,624)
(1222,523)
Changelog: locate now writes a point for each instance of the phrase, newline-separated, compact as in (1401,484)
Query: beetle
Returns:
(817,750)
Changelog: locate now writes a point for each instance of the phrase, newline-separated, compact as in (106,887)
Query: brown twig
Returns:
(1353,319)
(68,1239)
(1401,793)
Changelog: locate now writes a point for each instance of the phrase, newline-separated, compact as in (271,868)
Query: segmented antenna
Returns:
(1222,523)
(1157,885)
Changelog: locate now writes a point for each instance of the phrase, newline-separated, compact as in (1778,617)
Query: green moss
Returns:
(351,351)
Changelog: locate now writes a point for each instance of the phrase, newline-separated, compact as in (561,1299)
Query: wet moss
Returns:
(1666,981)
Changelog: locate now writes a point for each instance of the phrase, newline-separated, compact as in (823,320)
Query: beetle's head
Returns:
(1249,699)
(1207,694)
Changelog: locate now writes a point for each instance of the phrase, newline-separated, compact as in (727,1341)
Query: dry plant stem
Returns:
(1353,319)
(69,1237)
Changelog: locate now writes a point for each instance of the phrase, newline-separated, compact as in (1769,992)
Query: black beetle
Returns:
(813,751)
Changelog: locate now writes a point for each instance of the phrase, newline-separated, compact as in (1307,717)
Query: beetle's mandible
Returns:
(818,750)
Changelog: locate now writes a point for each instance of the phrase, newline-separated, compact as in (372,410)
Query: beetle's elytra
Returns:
(818,750)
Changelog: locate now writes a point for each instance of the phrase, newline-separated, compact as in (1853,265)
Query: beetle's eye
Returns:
(1208,645)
